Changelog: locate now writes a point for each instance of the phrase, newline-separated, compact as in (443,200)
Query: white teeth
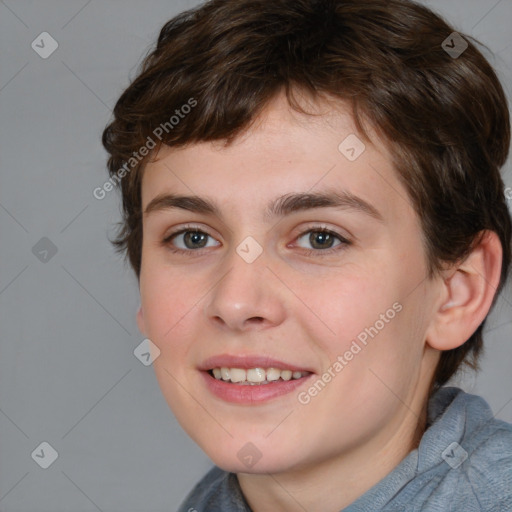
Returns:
(255,375)
(286,374)
(238,375)
(273,374)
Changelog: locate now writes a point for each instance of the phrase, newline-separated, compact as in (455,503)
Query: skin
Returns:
(301,307)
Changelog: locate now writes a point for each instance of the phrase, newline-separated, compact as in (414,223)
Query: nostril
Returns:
(255,319)
(219,321)
(238,323)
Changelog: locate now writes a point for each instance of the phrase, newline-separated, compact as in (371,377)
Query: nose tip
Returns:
(244,298)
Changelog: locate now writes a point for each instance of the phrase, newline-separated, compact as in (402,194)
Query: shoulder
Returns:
(478,462)
(217,490)
(464,460)
(487,471)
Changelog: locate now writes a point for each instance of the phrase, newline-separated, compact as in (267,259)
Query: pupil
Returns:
(320,240)
(194,239)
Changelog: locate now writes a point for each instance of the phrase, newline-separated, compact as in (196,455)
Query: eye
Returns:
(320,239)
(190,239)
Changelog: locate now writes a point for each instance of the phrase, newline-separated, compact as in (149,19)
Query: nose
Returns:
(247,296)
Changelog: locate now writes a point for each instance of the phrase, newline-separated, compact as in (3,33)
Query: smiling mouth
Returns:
(255,376)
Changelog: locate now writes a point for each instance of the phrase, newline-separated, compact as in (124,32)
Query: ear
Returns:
(467,293)
(140,321)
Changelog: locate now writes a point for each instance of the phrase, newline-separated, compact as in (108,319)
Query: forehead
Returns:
(282,152)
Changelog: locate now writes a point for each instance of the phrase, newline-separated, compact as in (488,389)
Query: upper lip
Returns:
(248,361)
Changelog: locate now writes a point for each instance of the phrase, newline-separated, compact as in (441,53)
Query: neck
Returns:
(335,483)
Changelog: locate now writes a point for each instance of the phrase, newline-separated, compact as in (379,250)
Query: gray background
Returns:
(68,374)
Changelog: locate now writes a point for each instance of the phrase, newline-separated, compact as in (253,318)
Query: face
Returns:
(283,256)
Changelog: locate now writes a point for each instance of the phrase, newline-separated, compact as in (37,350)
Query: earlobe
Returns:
(140,321)
(467,295)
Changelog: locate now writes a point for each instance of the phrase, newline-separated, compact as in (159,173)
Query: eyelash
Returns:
(343,242)
(166,242)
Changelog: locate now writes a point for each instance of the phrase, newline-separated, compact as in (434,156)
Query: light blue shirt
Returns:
(462,464)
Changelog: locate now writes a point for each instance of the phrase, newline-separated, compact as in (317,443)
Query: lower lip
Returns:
(251,394)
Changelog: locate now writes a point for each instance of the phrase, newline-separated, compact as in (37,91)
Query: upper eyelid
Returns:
(343,234)
(321,230)
(343,240)
(182,232)
(168,239)
(303,231)
(317,224)
(184,229)
(194,224)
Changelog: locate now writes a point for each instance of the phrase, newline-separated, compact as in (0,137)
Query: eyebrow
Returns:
(190,203)
(344,200)
(279,207)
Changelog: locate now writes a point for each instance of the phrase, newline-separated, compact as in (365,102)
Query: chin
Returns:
(248,457)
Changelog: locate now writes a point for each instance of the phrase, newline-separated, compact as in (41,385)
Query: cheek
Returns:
(361,317)
(167,300)
(170,305)
(344,305)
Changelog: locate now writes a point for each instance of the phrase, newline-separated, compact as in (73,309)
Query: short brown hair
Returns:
(444,116)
